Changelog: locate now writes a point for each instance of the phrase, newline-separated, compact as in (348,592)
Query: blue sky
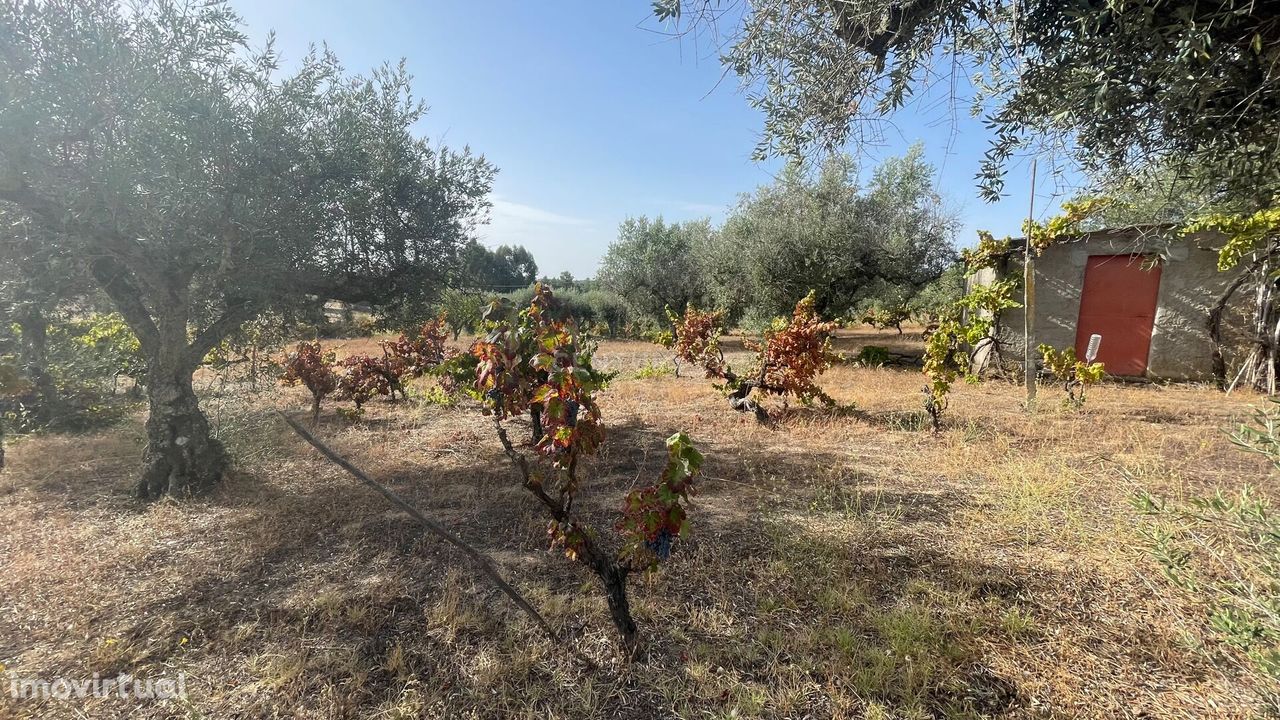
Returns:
(590,117)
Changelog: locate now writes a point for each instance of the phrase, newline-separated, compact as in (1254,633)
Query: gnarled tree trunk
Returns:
(611,571)
(182,456)
(315,408)
(739,399)
(1263,362)
(1216,314)
(613,576)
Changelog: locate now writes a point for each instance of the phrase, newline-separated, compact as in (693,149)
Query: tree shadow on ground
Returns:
(808,601)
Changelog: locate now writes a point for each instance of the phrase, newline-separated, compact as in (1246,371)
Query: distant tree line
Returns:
(888,244)
(880,252)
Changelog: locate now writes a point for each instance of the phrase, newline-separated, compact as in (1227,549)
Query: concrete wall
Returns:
(1190,283)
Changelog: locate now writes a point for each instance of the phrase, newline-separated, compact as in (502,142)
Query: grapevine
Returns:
(417,355)
(794,353)
(789,357)
(1255,236)
(1246,234)
(654,517)
(695,339)
(533,362)
(945,359)
(1067,223)
(972,323)
(882,318)
(1074,373)
(309,365)
(987,254)
(364,377)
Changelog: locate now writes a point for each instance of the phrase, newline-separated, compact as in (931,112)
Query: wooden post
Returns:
(1029,301)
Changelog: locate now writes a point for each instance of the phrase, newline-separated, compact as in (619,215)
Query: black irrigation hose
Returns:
(479,559)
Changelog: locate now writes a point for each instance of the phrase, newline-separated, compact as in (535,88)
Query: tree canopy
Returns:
(199,186)
(819,230)
(507,267)
(653,264)
(1122,84)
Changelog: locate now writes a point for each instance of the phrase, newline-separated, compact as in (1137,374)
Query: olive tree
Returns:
(820,229)
(198,186)
(1122,85)
(653,265)
(506,267)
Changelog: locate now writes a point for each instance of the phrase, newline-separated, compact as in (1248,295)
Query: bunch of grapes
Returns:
(653,517)
(660,544)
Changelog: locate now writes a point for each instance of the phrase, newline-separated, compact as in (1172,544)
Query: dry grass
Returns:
(845,564)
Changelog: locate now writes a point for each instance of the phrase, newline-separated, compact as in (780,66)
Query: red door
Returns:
(1119,303)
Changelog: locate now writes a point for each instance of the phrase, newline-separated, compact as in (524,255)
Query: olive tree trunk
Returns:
(1263,362)
(182,457)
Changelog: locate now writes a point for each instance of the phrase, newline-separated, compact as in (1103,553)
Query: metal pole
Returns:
(1029,301)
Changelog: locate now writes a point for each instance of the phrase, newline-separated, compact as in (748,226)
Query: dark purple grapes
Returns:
(661,544)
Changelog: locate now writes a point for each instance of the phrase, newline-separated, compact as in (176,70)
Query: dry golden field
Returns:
(845,563)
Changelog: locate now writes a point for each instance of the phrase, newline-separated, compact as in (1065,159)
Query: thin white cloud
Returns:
(507,212)
(701,208)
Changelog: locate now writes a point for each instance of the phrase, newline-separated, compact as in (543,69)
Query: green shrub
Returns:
(873,356)
(358,327)
(83,361)
(110,344)
(434,395)
(883,317)
(1224,550)
(1262,436)
(652,370)
(602,312)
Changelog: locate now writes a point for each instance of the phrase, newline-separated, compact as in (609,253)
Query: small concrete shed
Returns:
(1148,290)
